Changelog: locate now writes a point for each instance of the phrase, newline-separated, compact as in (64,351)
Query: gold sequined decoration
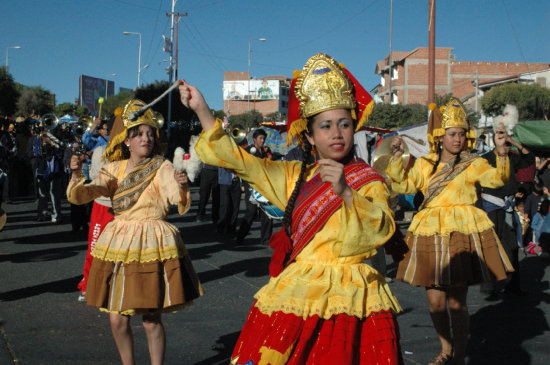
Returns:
(323,85)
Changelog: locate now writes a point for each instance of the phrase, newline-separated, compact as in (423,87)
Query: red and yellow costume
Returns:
(326,306)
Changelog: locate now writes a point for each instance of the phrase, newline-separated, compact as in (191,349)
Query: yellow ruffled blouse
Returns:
(328,277)
(139,234)
(452,210)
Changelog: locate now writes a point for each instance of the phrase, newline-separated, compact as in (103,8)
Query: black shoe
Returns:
(493,297)
(515,292)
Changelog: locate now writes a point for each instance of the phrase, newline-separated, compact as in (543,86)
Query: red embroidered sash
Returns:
(316,202)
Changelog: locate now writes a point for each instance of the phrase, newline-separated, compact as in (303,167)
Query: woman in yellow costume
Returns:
(140,265)
(322,304)
(451,243)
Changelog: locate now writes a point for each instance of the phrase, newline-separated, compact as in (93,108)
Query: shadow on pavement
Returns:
(224,346)
(54,237)
(51,254)
(59,286)
(255,267)
(498,331)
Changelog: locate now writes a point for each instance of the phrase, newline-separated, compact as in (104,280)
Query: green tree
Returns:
(150,92)
(532,100)
(220,114)
(8,93)
(115,101)
(442,99)
(275,117)
(34,102)
(248,120)
(397,115)
(64,108)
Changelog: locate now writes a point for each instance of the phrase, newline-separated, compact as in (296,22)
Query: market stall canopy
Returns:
(535,134)
(67,118)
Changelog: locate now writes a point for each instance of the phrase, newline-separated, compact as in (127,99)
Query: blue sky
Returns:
(65,38)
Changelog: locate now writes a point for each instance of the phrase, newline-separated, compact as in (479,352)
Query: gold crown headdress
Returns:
(324,84)
(123,122)
(451,115)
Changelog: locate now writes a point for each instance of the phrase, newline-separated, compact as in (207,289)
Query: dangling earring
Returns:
(314,153)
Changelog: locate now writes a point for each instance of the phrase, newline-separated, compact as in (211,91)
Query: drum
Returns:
(268,208)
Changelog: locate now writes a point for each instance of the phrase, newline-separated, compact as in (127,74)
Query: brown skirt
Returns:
(455,260)
(142,288)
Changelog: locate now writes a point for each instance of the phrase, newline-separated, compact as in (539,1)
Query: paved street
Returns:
(41,321)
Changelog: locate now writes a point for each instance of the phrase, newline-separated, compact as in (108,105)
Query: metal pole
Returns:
(431,52)
(170,67)
(248,93)
(7,49)
(390,61)
(139,59)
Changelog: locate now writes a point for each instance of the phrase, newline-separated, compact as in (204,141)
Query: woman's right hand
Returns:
(397,147)
(192,98)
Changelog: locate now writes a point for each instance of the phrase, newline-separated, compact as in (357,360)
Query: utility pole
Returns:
(178,16)
(390,61)
(476,89)
(431,52)
(170,67)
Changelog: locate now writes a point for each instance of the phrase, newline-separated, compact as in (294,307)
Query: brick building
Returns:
(409,71)
(267,95)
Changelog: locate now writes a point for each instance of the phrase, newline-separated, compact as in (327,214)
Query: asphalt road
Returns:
(41,321)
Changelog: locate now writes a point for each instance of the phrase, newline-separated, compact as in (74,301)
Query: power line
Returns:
(515,34)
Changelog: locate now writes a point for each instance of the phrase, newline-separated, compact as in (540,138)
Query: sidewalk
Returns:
(42,322)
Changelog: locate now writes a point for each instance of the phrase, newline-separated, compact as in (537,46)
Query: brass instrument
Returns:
(49,121)
(238,133)
(80,127)
(158,118)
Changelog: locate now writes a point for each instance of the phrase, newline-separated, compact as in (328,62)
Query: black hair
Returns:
(538,189)
(259,132)
(287,216)
(439,148)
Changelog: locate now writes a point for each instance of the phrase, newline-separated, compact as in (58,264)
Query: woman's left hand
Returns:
(333,172)
(181,178)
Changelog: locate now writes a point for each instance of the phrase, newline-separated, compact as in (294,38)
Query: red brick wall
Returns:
(235,75)
(462,73)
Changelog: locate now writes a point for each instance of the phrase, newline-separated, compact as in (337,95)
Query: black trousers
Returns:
(507,237)
(50,189)
(209,185)
(252,210)
(230,200)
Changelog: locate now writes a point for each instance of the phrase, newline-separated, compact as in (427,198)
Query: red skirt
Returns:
(282,338)
(98,220)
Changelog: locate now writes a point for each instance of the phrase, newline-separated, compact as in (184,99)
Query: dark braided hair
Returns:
(439,149)
(287,217)
(438,158)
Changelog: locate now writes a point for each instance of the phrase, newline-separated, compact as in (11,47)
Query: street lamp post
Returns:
(139,53)
(107,83)
(7,49)
(250,40)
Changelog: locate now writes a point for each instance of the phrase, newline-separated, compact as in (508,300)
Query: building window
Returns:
(382,80)
(394,73)
(394,98)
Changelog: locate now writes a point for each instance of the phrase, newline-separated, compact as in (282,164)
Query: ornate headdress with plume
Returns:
(323,85)
(451,115)
(121,125)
